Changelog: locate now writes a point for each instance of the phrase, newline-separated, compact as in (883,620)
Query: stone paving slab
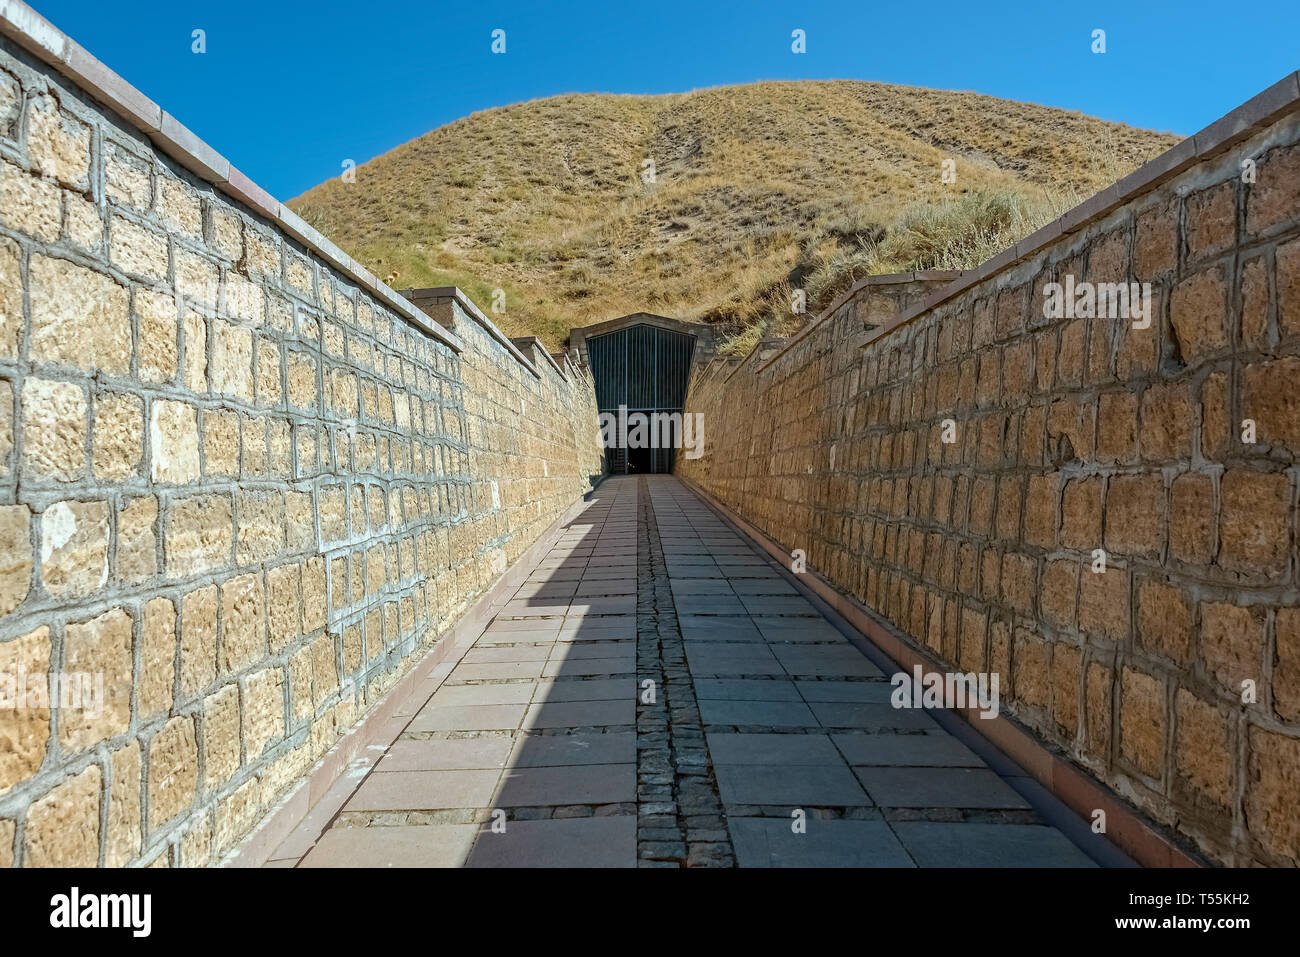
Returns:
(482,717)
(708,605)
(430,845)
(513,692)
(741,571)
(534,608)
(589,689)
(563,750)
(523,625)
(511,653)
(791,750)
(796,629)
(821,691)
(839,661)
(612,605)
(548,589)
(695,571)
(609,648)
(443,754)
(424,790)
(770,842)
(975,844)
(713,628)
(871,717)
(556,575)
(578,784)
(610,571)
(938,787)
(580,714)
(606,587)
(608,628)
(506,669)
(585,666)
(762,586)
(581,842)
(792,714)
(804,785)
(906,750)
(791,605)
(732,689)
(731,658)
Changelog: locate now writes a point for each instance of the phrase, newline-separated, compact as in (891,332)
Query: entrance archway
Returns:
(643,368)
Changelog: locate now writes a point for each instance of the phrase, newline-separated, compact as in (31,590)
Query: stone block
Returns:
(173,770)
(63,826)
(25,731)
(74,548)
(100,649)
(1143,721)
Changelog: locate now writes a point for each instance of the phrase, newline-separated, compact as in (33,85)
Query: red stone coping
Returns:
(31,31)
(1126,827)
(323,790)
(1259,111)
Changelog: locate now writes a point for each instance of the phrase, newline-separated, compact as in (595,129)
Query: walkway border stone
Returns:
(680,817)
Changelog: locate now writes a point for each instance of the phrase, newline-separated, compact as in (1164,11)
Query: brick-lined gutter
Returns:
(1259,111)
(1129,829)
(318,797)
(52,46)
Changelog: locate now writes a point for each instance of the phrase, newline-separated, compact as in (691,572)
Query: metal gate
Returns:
(641,369)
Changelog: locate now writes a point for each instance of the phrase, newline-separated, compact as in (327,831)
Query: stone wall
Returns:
(240,482)
(1073,436)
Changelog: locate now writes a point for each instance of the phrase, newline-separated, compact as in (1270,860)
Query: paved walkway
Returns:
(658,693)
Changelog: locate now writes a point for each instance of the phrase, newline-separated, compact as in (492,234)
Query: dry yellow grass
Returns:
(757,188)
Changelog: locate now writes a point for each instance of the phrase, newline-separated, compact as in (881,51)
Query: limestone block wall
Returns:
(242,485)
(1173,676)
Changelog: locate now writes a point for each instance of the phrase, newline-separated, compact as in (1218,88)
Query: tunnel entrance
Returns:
(640,462)
(641,373)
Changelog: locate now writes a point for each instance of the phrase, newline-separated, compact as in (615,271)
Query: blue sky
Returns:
(288,91)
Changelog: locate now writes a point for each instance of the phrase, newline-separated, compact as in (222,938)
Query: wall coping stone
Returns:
(31,31)
(882,279)
(534,345)
(715,367)
(453,294)
(765,351)
(1256,113)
